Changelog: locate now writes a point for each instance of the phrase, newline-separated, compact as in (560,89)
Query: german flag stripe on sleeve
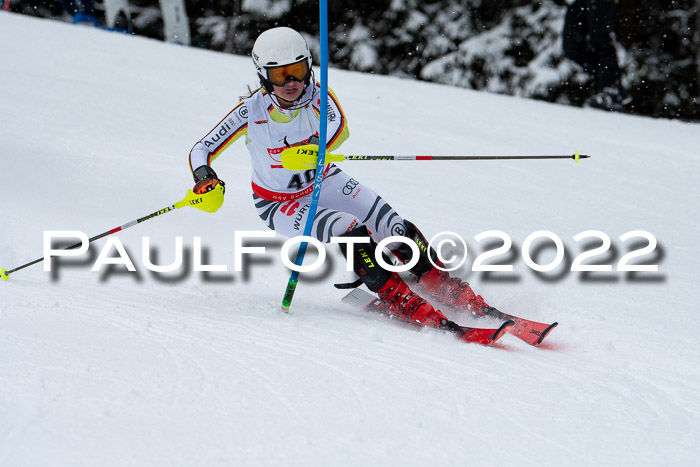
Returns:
(227,142)
(223,135)
(342,133)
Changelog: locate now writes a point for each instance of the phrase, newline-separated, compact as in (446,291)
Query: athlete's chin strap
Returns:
(301,104)
(280,98)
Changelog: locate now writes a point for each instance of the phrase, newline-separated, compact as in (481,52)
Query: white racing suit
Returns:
(282,197)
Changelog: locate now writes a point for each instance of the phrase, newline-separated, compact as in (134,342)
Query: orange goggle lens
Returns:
(279,76)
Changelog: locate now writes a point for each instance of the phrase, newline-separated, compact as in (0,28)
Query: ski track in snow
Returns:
(115,368)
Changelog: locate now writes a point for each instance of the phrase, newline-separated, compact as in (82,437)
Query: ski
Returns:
(531,332)
(483,336)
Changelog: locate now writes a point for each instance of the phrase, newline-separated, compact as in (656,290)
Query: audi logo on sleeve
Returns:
(350,186)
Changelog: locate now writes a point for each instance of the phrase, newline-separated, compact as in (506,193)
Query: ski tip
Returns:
(4,275)
(500,332)
(545,333)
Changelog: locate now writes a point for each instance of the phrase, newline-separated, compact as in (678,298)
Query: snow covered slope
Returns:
(119,368)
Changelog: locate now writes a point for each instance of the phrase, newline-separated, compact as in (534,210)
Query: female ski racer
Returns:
(284,112)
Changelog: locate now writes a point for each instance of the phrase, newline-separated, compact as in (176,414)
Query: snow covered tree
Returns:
(510,47)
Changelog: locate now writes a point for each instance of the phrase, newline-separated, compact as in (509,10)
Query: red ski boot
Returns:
(401,301)
(451,290)
(408,305)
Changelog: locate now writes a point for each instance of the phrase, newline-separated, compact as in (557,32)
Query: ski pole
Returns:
(576,156)
(319,161)
(305,157)
(208,202)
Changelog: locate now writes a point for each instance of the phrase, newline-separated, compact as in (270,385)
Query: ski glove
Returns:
(206,179)
(313,139)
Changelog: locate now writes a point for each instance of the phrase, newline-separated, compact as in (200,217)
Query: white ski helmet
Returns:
(278,47)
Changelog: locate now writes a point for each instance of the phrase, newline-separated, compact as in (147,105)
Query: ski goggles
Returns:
(281,75)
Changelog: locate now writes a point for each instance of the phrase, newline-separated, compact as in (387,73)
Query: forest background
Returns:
(508,47)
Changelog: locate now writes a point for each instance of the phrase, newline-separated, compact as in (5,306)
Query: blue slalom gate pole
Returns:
(321,164)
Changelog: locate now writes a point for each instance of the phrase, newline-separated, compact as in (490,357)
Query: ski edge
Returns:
(546,332)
